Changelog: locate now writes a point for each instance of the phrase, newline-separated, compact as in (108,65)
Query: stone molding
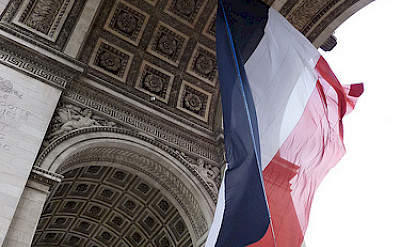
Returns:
(137,119)
(187,161)
(34,64)
(45,177)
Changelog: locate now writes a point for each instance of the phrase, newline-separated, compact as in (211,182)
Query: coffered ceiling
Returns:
(105,206)
(163,52)
(160,53)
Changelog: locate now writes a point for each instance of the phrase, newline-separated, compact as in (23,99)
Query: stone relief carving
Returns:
(42,14)
(203,64)
(127,22)
(331,13)
(306,10)
(43,17)
(111,60)
(161,50)
(44,22)
(210,174)
(155,81)
(186,7)
(68,118)
(179,37)
(7,86)
(168,44)
(36,66)
(187,11)
(194,101)
(186,160)
(321,12)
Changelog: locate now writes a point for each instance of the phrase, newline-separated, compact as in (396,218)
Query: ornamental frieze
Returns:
(134,118)
(34,64)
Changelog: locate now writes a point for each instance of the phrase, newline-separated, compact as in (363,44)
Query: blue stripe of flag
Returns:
(246,215)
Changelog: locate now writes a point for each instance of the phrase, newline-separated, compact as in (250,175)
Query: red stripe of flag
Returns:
(314,146)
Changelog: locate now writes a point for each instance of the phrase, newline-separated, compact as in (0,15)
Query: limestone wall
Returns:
(26,106)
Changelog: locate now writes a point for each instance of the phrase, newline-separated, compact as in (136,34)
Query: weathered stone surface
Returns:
(26,106)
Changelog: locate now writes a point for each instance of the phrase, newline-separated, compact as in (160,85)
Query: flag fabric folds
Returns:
(283,110)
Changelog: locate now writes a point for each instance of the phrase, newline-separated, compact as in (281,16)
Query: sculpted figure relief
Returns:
(69,117)
(209,173)
(43,15)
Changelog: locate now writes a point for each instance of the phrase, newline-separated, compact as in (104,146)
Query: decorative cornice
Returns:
(45,177)
(34,64)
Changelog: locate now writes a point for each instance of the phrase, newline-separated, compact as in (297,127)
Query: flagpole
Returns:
(247,112)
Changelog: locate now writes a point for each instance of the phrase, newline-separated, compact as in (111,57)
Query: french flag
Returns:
(283,110)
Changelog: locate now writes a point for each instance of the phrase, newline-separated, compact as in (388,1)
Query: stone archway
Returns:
(144,167)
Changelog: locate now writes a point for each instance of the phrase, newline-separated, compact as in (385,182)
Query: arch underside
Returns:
(106,206)
(317,19)
(119,190)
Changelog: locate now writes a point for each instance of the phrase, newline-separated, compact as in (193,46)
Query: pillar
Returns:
(30,207)
(26,107)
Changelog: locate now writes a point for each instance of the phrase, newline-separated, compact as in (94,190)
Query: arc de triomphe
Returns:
(110,117)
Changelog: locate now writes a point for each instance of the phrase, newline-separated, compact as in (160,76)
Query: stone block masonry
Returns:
(26,106)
